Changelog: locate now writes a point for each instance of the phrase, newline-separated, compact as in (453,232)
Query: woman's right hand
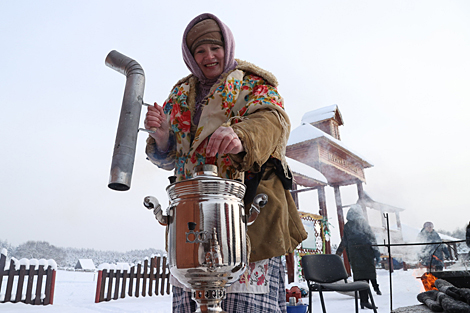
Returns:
(156,121)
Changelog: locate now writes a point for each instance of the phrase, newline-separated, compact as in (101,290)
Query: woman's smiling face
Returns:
(210,58)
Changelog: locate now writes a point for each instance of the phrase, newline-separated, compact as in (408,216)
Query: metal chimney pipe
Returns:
(128,127)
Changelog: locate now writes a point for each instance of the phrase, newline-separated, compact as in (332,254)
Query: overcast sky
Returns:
(398,70)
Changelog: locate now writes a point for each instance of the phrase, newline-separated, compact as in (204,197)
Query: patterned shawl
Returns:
(232,99)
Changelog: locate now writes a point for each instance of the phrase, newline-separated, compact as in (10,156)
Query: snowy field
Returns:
(75,293)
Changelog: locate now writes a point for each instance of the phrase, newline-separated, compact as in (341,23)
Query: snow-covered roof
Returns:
(322,114)
(85,264)
(306,170)
(306,132)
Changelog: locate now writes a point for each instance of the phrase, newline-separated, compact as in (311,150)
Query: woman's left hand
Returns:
(224,141)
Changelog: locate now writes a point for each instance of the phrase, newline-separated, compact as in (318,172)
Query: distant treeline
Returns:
(68,257)
(458,233)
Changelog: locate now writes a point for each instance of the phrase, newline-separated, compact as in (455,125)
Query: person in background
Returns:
(431,255)
(229,113)
(358,239)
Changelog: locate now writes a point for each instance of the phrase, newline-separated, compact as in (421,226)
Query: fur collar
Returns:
(250,67)
(243,66)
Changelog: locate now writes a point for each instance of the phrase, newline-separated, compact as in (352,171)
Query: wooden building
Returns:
(317,143)
(85,265)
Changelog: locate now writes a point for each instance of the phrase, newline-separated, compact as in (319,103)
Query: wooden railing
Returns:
(26,284)
(151,278)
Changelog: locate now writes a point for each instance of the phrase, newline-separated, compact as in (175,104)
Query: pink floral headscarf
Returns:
(229,47)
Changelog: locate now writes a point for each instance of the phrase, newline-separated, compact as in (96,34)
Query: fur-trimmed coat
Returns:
(247,100)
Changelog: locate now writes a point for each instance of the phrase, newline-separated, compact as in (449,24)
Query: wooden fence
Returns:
(151,278)
(27,284)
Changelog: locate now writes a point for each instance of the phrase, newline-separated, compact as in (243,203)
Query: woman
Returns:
(358,239)
(229,113)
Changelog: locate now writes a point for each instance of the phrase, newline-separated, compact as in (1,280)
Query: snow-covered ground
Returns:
(75,293)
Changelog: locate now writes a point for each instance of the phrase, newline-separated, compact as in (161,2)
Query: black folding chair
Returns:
(322,271)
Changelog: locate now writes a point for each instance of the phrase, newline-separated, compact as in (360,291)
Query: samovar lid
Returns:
(205,170)
(205,181)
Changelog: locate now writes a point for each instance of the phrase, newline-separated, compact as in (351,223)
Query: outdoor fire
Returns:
(428,280)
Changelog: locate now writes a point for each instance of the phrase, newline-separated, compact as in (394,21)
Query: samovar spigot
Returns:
(213,255)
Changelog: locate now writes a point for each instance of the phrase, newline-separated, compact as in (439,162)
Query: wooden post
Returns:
(52,289)
(145,276)
(110,285)
(37,300)
(124,281)
(323,212)
(19,288)
(290,260)
(137,280)
(153,265)
(98,287)
(29,288)
(397,215)
(116,284)
(295,195)
(103,284)
(3,260)
(360,194)
(11,277)
(49,274)
(339,210)
(162,291)
(131,280)
(157,275)
(168,283)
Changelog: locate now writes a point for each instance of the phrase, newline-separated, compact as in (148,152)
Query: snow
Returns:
(123,266)
(43,262)
(119,266)
(306,170)
(52,263)
(33,263)
(104,266)
(24,262)
(75,293)
(320,114)
(306,132)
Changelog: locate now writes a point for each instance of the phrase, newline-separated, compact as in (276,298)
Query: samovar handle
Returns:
(258,202)
(152,203)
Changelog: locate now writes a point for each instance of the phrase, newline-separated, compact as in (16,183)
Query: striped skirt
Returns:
(274,301)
